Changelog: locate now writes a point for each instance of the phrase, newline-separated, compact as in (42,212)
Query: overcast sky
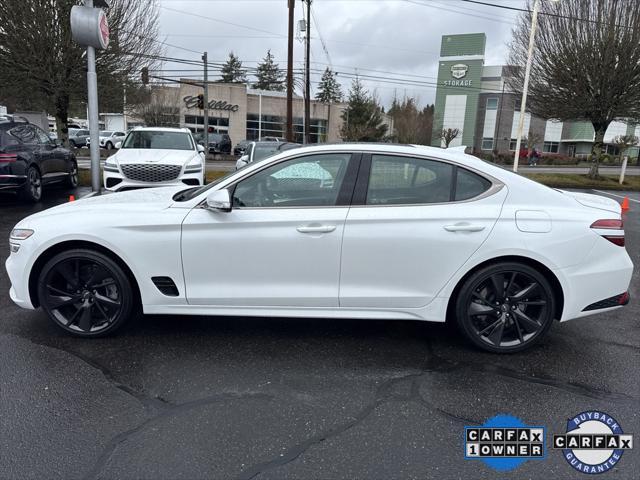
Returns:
(392,39)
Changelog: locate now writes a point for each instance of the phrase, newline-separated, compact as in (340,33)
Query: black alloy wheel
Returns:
(85,293)
(32,188)
(72,181)
(505,308)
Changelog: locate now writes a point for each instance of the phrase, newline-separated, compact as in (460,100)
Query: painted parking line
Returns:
(618,196)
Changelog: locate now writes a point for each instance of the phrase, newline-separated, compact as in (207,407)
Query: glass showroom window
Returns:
(492,103)
(551,147)
(512,144)
(487,144)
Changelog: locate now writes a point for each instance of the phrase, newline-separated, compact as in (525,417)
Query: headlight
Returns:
(111,165)
(20,233)
(194,166)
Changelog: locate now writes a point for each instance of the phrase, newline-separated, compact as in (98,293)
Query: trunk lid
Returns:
(594,201)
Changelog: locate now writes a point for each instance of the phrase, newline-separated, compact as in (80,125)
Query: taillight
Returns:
(8,157)
(611,224)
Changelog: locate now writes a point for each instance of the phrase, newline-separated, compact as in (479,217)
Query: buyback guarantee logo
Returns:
(504,442)
(594,442)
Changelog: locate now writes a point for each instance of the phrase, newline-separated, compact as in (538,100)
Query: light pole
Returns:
(525,87)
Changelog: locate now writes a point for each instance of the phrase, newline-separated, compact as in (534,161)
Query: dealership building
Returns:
(475,99)
(246,113)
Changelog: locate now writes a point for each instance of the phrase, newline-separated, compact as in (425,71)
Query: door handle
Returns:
(464,227)
(317,229)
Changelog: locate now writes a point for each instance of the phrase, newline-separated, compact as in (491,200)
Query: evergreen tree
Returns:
(329,90)
(362,119)
(269,75)
(232,71)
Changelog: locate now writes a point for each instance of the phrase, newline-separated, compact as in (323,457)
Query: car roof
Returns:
(161,129)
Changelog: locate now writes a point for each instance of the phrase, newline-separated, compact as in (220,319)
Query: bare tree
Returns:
(532,140)
(42,68)
(160,108)
(624,142)
(448,135)
(586,64)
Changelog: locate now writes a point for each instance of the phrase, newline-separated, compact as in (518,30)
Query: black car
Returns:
(240,147)
(219,143)
(29,159)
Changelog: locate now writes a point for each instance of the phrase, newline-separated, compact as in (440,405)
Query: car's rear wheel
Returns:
(72,181)
(32,188)
(505,307)
(85,293)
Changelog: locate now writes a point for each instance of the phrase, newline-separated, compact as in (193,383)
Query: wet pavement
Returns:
(220,397)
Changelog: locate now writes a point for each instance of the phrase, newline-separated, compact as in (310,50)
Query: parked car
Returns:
(29,160)
(240,147)
(78,137)
(273,139)
(256,151)
(219,143)
(153,157)
(376,231)
(108,139)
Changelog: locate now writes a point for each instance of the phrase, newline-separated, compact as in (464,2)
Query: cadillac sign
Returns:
(192,102)
(458,72)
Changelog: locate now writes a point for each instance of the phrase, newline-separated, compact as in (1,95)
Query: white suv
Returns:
(155,157)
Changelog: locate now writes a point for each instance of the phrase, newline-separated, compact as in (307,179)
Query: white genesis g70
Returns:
(335,231)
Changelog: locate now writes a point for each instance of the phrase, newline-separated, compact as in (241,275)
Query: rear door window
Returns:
(470,185)
(396,180)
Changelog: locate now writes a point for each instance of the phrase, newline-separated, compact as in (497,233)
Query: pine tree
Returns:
(362,119)
(329,90)
(232,71)
(269,75)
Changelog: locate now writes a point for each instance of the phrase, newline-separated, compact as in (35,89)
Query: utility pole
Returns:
(307,87)
(94,117)
(205,102)
(292,4)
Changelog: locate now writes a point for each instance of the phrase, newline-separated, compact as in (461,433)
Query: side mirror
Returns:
(200,148)
(57,143)
(219,200)
(244,158)
(118,145)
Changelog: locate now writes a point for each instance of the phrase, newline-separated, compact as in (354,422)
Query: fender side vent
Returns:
(166,286)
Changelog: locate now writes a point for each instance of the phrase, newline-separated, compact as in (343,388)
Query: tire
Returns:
(72,181)
(85,293)
(109,146)
(32,188)
(505,319)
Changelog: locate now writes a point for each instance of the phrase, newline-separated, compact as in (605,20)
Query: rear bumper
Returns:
(12,182)
(595,284)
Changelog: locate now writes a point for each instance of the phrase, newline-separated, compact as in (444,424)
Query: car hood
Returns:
(594,201)
(142,200)
(150,156)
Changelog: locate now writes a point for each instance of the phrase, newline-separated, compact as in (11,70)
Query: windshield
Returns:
(215,137)
(105,133)
(158,140)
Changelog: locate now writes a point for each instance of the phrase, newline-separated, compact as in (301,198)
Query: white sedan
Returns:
(397,232)
(155,157)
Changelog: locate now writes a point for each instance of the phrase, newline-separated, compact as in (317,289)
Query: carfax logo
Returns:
(594,442)
(504,442)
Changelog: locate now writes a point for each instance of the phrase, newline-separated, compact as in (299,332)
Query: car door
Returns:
(280,243)
(414,223)
(53,158)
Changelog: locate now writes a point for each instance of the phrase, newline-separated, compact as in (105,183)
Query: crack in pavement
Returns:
(171,410)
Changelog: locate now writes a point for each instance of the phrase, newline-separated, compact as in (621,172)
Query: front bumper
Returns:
(117,181)
(18,271)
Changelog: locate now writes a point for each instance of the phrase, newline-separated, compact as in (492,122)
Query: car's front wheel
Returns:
(109,146)
(505,307)
(85,293)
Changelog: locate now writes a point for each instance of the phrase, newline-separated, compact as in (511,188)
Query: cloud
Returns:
(401,37)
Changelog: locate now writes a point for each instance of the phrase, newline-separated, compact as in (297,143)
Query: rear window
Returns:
(6,139)
(470,185)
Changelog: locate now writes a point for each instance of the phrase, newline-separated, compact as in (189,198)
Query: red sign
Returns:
(104,30)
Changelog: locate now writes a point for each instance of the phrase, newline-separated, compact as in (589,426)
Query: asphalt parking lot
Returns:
(244,398)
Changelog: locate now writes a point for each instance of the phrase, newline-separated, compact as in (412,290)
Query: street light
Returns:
(525,87)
